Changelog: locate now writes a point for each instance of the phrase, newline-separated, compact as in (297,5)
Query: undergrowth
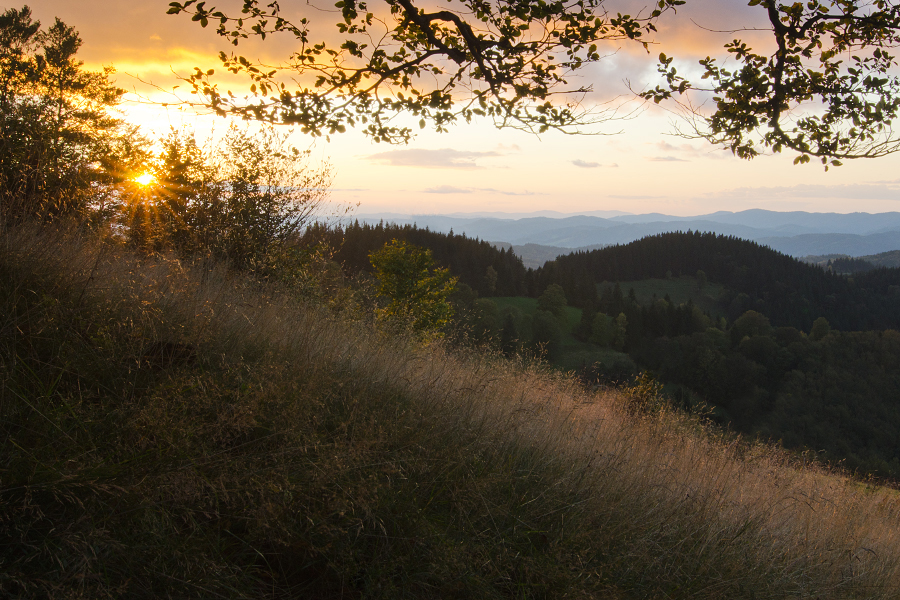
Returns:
(175,430)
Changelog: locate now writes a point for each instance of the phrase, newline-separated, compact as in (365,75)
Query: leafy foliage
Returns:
(553,300)
(506,61)
(828,90)
(418,291)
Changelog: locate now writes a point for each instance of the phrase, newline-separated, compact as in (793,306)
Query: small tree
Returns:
(601,330)
(820,329)
(586,324)
(56,128)
(547,333)
(490,280)
(417,291)
(269,194)
(751,323)
(701,279)
(553,300)
(509,336)
(619,329)
(244,201)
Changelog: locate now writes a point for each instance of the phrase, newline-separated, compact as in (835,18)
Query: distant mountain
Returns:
(791,223)
(885,259)
(552,214)
(794,233)
(535,255)
(835,243)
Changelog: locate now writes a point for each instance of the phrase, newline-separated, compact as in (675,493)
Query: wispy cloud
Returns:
(685,152)
(877,191)
(444,158)
(451,189)
(584,164)
(447,189)
(506,192)
(666,159)
(634,197)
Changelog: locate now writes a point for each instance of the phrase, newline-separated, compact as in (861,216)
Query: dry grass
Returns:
(171,430)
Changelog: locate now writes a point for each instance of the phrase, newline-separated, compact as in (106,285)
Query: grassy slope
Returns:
(175,432)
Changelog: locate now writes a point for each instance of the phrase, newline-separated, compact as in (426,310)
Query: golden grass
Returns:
(302,455)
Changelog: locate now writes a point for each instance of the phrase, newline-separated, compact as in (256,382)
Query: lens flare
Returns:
(145,179)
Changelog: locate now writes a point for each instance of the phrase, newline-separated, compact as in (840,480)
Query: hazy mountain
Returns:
(536,255)
(552,214)
(835,243)
(796,233)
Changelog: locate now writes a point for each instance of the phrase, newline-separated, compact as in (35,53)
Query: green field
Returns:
(574,354)
(679,289)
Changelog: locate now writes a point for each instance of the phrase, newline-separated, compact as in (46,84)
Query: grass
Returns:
(280,452)
(573,354)
(680,290)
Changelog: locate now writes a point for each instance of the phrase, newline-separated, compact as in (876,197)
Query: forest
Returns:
(786,351)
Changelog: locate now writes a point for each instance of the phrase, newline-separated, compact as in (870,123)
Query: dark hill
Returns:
(789,292)
(467,258)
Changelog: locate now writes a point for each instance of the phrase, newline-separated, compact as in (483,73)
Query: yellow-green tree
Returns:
(417,291)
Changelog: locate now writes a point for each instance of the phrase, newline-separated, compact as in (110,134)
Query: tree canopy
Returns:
(509,61)
(827,88)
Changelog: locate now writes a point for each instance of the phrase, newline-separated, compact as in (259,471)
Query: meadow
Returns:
(679,289)
(172,429)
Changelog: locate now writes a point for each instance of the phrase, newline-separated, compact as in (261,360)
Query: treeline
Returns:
(836,394)
(489,271)
(847,265)
(788,292)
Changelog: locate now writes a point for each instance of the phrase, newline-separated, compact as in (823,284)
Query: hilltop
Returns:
(172,428)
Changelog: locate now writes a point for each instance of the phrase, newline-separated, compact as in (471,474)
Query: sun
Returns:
(145,179)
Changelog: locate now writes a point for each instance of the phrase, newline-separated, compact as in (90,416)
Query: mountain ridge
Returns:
(796,233)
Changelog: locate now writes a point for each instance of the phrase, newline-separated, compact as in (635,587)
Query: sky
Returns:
(636,165)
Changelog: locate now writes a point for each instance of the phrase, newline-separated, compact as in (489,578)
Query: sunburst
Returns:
(145,179)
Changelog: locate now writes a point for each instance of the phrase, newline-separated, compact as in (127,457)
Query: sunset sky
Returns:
(477,168)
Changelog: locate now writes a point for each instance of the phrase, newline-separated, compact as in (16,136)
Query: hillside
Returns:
(776,348)
(171,429)
(787,291)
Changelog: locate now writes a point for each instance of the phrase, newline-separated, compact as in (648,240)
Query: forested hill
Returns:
(788,292)
(467,258)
